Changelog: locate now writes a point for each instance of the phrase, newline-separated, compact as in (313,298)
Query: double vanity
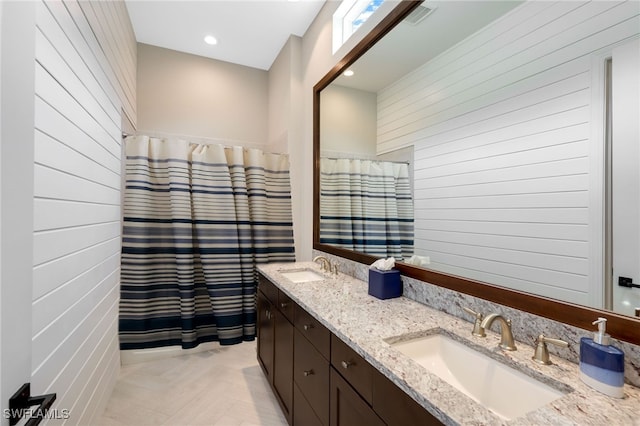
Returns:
(335,355)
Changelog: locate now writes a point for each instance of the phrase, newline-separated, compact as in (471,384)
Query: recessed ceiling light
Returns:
(348,73)
(210,40)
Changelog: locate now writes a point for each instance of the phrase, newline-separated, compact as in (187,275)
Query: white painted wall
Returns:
(2,406)
(16,199)
(285,120)
(348,122)
(189,95)
(281,75)
(84,78)
(501,128)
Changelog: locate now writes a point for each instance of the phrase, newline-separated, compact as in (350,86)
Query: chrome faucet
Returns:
(506,337)
(324,262)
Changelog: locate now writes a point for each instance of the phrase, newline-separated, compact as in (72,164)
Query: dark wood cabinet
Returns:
(275,345)
(317,378)
(303,414)
(395,407)
(311,375)
(347,407)
(266,336)
(355,370)
(313,331)
(312,343)
(268,288)
(283,363)
(286,306)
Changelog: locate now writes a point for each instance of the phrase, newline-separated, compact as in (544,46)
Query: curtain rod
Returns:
(203,140)
(366,159)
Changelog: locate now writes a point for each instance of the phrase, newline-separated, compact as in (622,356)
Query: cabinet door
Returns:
(395,407)
(347,407)
(303,414)
(283,362)
(266,336)
(311,375)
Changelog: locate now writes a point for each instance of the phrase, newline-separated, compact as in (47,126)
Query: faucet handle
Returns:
(541,355)
(478,330)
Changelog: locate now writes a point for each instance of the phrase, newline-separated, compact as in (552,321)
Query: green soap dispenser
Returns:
(602,365)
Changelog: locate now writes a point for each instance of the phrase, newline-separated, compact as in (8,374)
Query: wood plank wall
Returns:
(85,79)
(501,129)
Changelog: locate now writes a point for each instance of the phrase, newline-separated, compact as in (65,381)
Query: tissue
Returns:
(383,264)
(418,260)
(384,282)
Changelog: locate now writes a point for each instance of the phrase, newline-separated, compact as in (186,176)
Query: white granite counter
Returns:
(364,322)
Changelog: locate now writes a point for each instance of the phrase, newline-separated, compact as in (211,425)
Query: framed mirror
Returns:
(493,121)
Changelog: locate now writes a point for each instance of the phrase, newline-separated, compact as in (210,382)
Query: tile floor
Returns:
(221,387)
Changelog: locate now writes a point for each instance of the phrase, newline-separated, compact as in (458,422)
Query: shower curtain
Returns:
(197,221)
(366,206)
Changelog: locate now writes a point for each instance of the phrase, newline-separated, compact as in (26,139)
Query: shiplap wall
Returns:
(85,78)
(501,129)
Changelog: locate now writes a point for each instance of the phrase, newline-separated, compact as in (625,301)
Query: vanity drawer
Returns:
(313,330)
(354,368)
(285,305)
(311,375)
(268,289)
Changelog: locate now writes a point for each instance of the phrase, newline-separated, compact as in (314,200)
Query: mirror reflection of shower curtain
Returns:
(197,221)
(366,206)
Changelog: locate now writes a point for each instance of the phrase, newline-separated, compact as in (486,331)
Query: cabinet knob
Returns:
(284,305)
(307,327)
(346,364)
(307,373)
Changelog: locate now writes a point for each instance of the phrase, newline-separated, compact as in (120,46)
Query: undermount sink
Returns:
(503,390)
(302,275)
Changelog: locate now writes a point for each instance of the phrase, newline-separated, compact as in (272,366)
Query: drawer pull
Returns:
(307,327)
(284,305)
(346,364)
(267,313)
(307,373)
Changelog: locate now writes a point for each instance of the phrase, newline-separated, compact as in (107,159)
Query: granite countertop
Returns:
(364,322)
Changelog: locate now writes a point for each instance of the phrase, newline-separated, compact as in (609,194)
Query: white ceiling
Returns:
(249,33)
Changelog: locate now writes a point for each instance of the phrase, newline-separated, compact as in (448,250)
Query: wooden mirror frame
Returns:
(619,326)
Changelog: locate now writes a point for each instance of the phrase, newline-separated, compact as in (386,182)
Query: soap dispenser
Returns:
(602,365)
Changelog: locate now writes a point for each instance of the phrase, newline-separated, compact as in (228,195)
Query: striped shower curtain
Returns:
(197,220)
(366,206)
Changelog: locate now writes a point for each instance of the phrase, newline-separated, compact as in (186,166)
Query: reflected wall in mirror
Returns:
(519,125)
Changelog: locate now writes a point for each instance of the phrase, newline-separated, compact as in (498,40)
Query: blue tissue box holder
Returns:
(385,284)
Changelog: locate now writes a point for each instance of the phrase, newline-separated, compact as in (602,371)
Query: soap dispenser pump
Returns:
(602,365)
